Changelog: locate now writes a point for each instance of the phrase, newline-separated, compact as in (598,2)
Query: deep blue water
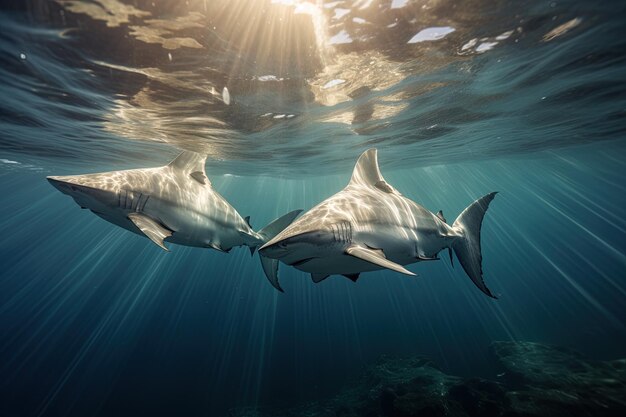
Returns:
(97,321)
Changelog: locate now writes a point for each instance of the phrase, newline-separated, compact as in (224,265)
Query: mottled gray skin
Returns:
(177,197)
(369,225)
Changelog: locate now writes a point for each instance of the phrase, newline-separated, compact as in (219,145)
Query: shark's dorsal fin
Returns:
(377,257)
(440,215)
(366,172)
(152,229)
(193,164)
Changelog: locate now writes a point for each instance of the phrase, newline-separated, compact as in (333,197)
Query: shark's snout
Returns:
(268,245)
(67,183)
(53,180)
(274,250)
(84,195)
(276,244)
(297,244)
(59,183)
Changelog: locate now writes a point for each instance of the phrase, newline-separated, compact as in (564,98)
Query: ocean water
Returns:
(460,99)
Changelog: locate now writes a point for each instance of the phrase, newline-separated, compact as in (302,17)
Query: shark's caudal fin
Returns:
(270,266)
(467,246)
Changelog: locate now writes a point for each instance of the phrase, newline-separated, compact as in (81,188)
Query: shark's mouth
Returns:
(301,261)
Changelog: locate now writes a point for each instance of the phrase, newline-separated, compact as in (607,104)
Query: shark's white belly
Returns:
(203,219)
(193,227)
(400,245)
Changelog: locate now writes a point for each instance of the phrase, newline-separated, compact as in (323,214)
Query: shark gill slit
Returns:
(145,201)
(138,202)
(138,206)
(342,232)
(347,232)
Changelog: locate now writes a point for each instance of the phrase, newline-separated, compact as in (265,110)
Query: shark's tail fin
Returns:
(467,246)
(270,266)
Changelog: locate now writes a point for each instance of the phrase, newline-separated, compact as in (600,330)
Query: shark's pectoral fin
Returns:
(377,257)
(319,277)
(151,228)
(352,277)
(270,267)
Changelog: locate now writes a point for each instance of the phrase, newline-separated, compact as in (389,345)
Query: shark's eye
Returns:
(282,244)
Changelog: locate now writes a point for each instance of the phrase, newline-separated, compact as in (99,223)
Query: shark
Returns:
(173,203)
(369,225)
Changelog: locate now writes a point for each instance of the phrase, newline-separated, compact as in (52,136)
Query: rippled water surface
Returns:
(276,88)
(459,98)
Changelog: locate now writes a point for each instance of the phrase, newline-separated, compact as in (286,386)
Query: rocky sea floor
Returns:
(535,380)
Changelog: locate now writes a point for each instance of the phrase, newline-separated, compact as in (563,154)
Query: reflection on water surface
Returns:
(277,87)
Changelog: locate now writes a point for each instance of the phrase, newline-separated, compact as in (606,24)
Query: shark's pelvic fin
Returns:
(352,277)
(152,229)
(319,277)
(193,164)
(377,257)
(217,247)
(366,172)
